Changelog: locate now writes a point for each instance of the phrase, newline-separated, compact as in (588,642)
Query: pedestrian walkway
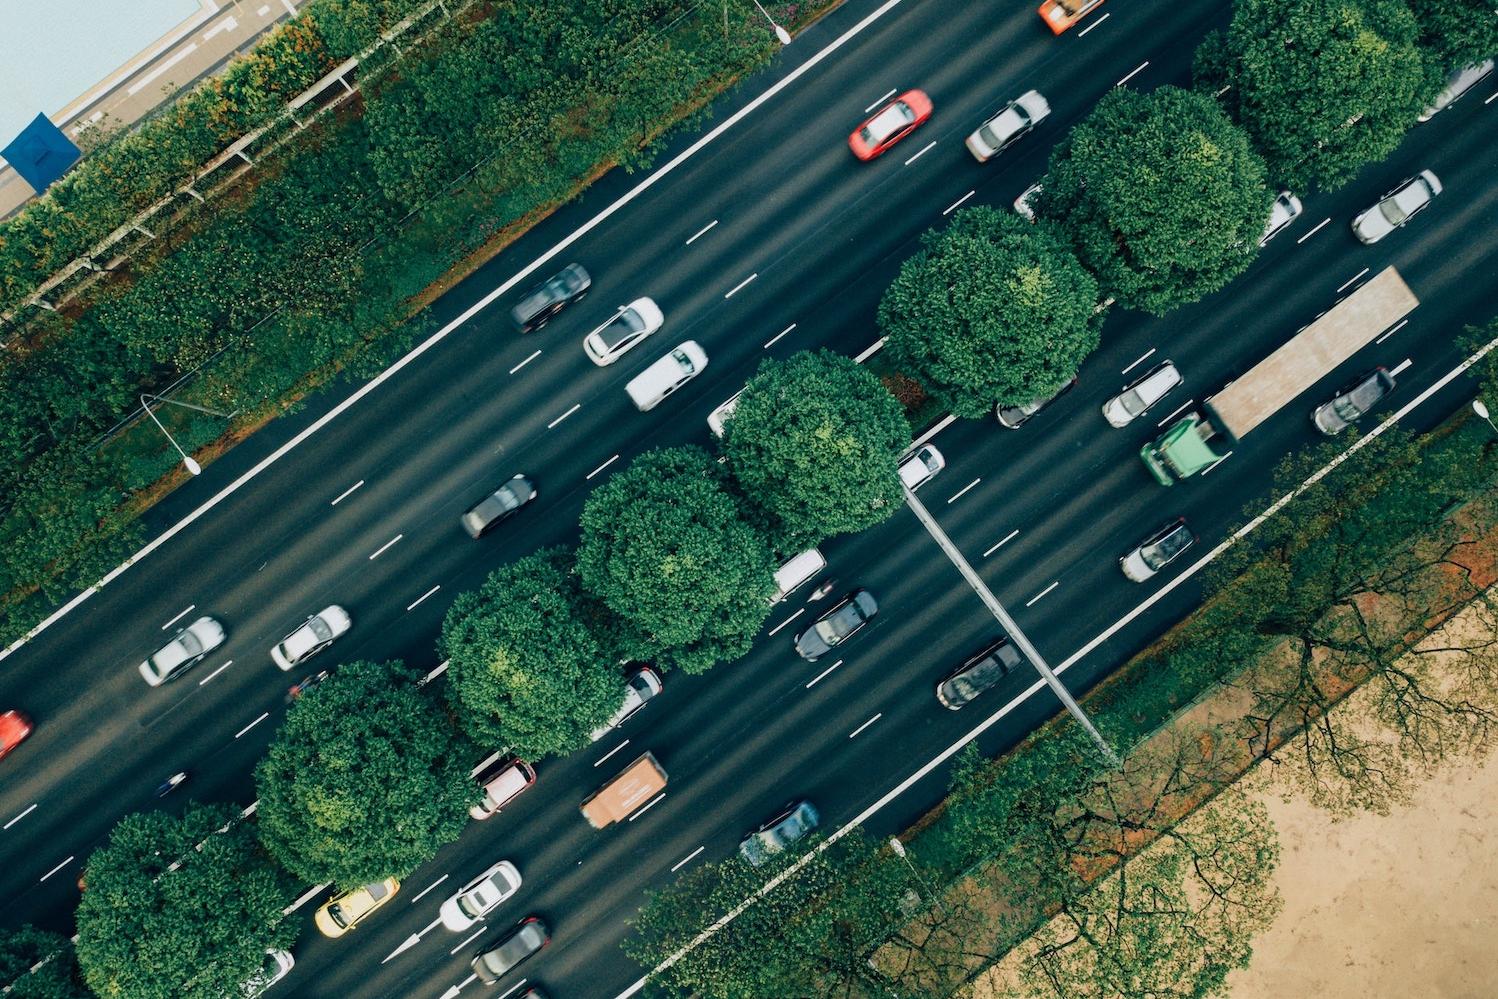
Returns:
(85,63)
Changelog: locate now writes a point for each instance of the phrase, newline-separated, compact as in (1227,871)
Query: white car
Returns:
(1157,551)
(185,650)
(278,964)
(921,467)
(480,896)
(1397,207)
(1286,209)
(652,386)
(1024,203)
(315,634)
(1018,118)
(718,417)
(1134,401)
(643,684)
(1457,84)
(797,573)
(623,331)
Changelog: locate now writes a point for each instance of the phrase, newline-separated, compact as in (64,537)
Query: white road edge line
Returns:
(18,818)
(190,608)
(865,725)
(345,494)
(665,170)
(1113,629)
(600,468)
(686,859)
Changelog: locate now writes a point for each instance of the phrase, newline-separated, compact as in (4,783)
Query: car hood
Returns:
(1134,566)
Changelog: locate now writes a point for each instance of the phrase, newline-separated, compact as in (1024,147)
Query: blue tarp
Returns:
(41,153)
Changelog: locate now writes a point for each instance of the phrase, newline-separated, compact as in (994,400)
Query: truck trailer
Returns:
(1201,439)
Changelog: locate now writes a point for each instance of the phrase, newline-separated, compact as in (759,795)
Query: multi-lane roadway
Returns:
(799,242)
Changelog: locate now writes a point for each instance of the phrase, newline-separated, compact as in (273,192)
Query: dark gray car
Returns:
(791,825)
(550,297)
(838,625)
(493,509)
(1353,402)
(521,943)
(978,673)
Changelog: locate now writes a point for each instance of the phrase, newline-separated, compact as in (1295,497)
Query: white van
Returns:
(797,573)
(650,387)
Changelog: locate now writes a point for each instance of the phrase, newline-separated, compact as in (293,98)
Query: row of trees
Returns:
(1156,200)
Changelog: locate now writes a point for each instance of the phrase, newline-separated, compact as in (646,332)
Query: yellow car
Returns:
(342,913)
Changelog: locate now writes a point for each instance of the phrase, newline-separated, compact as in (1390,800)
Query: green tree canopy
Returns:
(180,907)
(991,310)
(667,548)
(532,664)
(1322,88)
(35,964)
(814,441)
(366,779)
(1456,32)
(1162,196)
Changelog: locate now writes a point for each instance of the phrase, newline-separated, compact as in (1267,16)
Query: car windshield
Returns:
(1132,402)
(1003,127)
(1391,211)
(837,626)
(1157,555)
(687,367)
(339,916)
(622,327)
(320,629)
(478,901)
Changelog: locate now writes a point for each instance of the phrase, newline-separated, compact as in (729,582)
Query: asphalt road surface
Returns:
(1043,512)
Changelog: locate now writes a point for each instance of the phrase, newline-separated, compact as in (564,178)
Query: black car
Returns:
(1353,402)
(978,673)
(1014,417)
(550,297)
(838,625)
(493,509)
(514,948)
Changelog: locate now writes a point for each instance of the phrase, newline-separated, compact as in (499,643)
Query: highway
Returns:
(817,236)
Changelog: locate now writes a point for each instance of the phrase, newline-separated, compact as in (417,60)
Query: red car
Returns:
(14,728)
(1060,15)
(890,124)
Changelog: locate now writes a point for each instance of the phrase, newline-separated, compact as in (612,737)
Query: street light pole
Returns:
(780,33)
(188,461)
(1481,409)
(899,848)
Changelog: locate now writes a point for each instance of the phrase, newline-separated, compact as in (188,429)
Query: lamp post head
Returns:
(783,35)
(192,465)
(897,846)
(1480,408)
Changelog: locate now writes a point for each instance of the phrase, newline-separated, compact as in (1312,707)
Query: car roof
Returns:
(889,121)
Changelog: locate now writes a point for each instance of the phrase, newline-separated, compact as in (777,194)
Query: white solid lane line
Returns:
(468,940)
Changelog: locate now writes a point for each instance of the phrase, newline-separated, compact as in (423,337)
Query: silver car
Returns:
(1397,207)
(623,331)
(1157,551)
(480,896)
(1017,119)
(1136,400)
(1286,209)
(784,830)
(185,650)
(1457,85)
(844,620)
(315,634)
(494,509)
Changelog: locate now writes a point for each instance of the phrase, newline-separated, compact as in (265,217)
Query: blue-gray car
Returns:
(791,825)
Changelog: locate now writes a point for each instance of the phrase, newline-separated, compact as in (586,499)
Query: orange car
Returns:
(1060,15)
(890,124)
(14,728)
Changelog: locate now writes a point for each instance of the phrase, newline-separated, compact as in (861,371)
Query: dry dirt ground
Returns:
(1403,905)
